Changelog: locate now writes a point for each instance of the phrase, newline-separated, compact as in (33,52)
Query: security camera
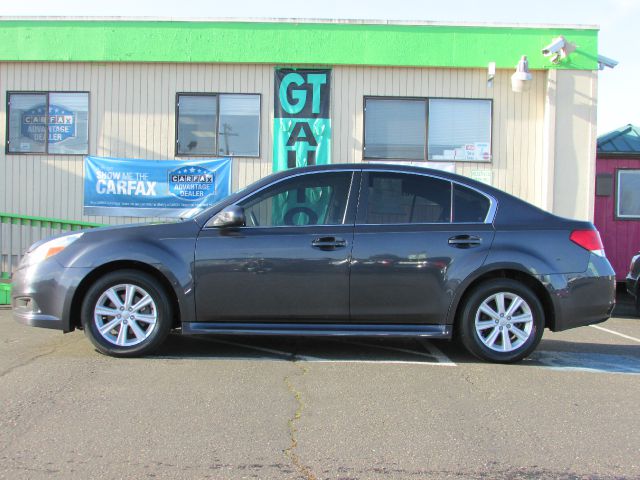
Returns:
(606,62)
(556,45)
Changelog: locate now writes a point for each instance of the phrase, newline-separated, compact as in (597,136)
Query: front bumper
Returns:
(582,298)
(42,294)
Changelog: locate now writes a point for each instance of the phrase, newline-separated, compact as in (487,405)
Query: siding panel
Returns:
(132,113)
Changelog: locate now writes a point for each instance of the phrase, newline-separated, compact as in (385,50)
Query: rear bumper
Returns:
(582,298)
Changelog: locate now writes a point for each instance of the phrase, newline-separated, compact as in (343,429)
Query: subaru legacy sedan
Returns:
(359,249)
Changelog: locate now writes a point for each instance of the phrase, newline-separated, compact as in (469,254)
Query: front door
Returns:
(290,262)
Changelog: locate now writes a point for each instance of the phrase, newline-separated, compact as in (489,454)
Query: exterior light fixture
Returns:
(521,79)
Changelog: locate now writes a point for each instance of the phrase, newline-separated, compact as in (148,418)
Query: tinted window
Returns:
(469,205)
(313,199)
(401,198)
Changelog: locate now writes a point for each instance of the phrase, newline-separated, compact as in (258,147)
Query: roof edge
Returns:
(348,21)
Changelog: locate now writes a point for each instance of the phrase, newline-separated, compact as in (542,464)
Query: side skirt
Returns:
(318,329)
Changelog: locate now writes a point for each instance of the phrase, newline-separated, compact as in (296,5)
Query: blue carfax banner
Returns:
(153,188)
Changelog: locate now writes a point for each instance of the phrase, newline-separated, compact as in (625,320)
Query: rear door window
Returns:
(399,198)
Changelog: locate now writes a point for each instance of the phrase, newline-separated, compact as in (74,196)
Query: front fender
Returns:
(168,248)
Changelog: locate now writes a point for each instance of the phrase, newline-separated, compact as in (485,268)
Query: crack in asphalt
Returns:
(290,451)
(28,361)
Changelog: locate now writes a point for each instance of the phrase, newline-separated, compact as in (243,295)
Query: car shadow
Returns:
(555,354)
(318,349)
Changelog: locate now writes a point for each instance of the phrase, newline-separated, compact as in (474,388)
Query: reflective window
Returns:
(54,123)
(628,194)
(313,199)
(218,124)
(401,198)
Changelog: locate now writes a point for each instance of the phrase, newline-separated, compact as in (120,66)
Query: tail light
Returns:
(589,240)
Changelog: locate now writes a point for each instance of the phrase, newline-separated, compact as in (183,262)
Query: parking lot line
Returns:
(616,333)
(436,352)
(393,349)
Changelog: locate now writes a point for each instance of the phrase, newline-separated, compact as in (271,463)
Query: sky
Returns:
(618,20)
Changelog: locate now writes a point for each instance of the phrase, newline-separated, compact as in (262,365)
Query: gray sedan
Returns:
(368,250)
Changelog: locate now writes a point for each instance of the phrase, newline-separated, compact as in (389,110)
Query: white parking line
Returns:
(436,352)
(252,347)
(616,333)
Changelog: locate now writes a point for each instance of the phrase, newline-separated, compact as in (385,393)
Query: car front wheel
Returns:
(501,320)
(126,313)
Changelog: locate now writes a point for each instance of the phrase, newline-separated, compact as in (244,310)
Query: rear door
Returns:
(416,238)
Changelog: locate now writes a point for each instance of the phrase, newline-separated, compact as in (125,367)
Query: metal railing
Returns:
(18,232)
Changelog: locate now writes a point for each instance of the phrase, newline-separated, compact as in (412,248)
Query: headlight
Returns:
(50,248)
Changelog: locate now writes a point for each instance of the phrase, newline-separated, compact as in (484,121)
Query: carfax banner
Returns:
(301,122)
(153,188)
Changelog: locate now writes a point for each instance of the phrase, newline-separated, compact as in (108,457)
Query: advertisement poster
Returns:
(301,123)
(153,188)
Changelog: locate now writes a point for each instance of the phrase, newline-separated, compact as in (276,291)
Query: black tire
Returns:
(139,337)
(477,339)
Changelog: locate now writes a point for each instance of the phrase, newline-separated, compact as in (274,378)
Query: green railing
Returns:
(17,232)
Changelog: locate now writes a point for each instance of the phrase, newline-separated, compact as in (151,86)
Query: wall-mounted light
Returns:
(521,79)
(491,73)
(558,49)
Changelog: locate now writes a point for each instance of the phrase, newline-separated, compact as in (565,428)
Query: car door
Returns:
(290,262)
(416,238)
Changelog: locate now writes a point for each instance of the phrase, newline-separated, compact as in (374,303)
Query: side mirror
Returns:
(231,216)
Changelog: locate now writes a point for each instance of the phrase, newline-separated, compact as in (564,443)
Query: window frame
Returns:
(425,157)
(616,210)
(46,93)
(217,95)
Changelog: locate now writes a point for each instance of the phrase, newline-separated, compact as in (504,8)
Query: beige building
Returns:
(430,94)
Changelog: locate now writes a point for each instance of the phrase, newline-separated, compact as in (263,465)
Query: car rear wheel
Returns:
(501,320)
(126,313)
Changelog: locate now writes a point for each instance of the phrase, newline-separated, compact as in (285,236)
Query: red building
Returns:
(617,203)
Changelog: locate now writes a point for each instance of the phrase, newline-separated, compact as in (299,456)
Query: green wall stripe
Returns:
(289,43)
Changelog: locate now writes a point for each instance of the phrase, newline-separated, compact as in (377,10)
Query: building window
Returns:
(427,129)
(218,124)
(55,123)
(459,129)
(395,129)
(628,194)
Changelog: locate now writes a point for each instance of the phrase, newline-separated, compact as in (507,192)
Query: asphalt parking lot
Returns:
(237,407)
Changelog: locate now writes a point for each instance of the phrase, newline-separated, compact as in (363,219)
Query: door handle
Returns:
(328,243)
(465,241)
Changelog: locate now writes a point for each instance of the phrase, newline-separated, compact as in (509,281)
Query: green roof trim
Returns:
(290,43)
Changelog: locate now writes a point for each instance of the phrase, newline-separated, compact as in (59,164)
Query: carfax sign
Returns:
(301,123)
(158,188)
(62,123)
